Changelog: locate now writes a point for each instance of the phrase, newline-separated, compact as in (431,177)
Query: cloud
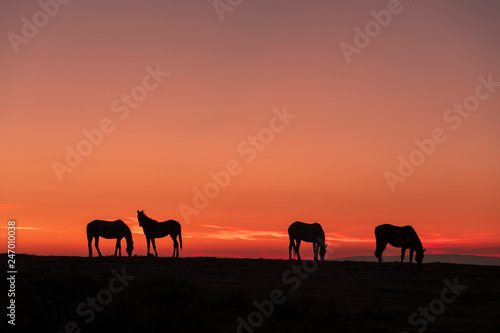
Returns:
(212,226)
(4,235)
(24,228)
(480,234)
(437,239)
(435,242)
(489,249)
(136,229)
(232,233)
(339,237)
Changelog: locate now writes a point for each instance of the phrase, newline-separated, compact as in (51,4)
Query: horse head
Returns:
(140,216)
(322,252)
(419,257)
(130,248)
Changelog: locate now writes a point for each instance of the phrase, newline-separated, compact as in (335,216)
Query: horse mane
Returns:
(128,235)
(417,239)
(147,217)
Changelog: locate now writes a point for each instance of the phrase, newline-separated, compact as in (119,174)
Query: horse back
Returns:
(308,232)
(397,236)
(162,229)
(107,229)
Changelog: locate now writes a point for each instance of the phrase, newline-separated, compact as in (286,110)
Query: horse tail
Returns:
(180,236)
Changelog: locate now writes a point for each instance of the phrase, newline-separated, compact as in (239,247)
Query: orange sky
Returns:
(349,123)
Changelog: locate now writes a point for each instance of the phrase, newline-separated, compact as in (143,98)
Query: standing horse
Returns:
(403,237)
(154,229)
(110,230)
(307,232)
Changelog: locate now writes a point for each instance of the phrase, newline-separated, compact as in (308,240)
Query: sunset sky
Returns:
(316,108)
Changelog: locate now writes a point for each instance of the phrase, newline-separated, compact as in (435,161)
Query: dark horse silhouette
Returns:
(154,229)
(403,237)
(110,230)
(307,232)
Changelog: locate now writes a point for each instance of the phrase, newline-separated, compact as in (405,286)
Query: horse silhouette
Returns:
(403,237)
(110,230)
(307,232)
(154,229)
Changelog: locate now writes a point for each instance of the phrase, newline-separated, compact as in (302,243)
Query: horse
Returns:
(154,229)
(403,237)
(307,232)
(110,230)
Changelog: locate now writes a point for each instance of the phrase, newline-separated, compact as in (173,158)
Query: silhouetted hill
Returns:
(430,258)
(140,294)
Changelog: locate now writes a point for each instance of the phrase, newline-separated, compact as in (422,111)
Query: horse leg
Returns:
(378,252)
(148,241)
(176,249)
(90,245)
(297,246)
(97,245)
(118,247)
(315,250)
(403,250)
(176,246)
(411,256)
(154,246)
(290,247)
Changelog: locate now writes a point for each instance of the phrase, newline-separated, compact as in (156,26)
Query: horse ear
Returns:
(326,245)
(424,250)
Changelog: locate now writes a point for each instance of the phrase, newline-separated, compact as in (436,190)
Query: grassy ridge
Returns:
(209,294)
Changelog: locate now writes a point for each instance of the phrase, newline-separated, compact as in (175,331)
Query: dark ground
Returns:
(209,294)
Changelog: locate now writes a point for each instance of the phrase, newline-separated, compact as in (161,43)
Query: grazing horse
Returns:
(307,232)
(154,229)
(110,230)
(403,237)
